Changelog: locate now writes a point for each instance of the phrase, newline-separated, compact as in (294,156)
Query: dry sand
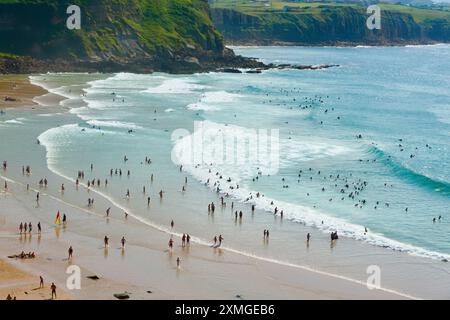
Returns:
(23,285)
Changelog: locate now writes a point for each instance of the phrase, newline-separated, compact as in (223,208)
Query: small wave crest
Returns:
(401,170)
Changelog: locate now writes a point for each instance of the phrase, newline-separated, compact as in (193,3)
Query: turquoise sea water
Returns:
(379,124)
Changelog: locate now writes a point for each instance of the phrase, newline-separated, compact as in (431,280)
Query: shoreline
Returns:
(246,44)
(323,279)
(345,289)
(354,46)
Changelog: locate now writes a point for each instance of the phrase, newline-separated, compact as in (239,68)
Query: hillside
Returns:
(251,22)
(131,35)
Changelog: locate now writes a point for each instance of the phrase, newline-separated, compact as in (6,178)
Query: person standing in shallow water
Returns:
(183,240)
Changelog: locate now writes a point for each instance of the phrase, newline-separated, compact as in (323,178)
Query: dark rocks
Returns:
(122,296)
(317,67)
(254,71)
(229,70)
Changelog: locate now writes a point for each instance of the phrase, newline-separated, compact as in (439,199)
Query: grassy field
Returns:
(260,7)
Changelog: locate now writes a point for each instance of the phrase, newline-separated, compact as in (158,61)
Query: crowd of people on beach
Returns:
(23,255)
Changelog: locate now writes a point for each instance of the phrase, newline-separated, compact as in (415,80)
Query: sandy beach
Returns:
(16,90)
(146,265)
(146,268)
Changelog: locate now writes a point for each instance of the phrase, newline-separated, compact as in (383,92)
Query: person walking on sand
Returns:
(106,240)
(178,262)
(30,227)
(39,227)
(41,282)
(123,242)
(70,252)
(53,287)
(21,227)
(170,244)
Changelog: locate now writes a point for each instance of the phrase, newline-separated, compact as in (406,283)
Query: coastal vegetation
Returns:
(327,23)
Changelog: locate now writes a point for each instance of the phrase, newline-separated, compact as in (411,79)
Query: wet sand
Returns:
(18,90)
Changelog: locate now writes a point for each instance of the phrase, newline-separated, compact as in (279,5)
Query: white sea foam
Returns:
(310,149)
(242,151)
(213,100)
(175,86)
(113,124)
(62,91)
(15,121)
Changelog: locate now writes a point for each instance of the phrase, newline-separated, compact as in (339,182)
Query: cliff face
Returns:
(166,35)
(337,25)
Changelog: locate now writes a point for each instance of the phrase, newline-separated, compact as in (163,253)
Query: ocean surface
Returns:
(362,145)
